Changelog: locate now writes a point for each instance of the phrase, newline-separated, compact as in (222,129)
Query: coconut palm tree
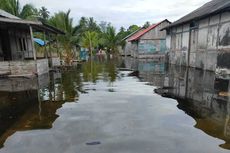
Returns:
(13,7)
(90,40)
(92,25)
(64,22)
(110,38)
(44,13)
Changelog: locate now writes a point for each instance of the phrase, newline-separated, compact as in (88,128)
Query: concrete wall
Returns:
(206,46)
(56,61)
(42,66)
(27,67)
(18,84)
(22,67)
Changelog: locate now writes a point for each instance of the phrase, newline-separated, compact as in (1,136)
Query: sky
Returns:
(122,12)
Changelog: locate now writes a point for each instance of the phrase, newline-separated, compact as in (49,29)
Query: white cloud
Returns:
(122,12)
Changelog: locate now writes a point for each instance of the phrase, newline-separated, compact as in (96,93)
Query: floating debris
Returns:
(224,94)
(93,143)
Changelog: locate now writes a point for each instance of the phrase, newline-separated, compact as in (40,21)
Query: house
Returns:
(149,42)
(127,49)
(17,50)
(201,39)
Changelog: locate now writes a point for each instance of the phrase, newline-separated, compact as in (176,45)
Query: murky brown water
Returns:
(102,107)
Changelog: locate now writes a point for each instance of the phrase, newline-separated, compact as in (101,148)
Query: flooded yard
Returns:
(117,106)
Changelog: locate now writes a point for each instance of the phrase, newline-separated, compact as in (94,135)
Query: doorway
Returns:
(5,45)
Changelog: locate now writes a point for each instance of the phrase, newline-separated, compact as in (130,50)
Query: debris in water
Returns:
(224,94)
(93,143)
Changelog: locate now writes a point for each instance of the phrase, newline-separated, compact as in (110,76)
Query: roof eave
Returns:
(196,18)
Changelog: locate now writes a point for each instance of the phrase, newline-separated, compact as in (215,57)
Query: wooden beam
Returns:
(32,41)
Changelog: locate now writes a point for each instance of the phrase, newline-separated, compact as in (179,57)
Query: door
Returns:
(5,45)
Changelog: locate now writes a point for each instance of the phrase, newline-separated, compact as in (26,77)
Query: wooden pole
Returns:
(46,54)
(32,43)
(50,54)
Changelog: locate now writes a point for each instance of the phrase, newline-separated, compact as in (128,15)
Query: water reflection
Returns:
(150,70)
(95,70)
(31,103)
(202,95)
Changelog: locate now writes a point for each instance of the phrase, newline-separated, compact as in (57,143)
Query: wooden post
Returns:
(59,54)
(46,54)
(57,45)
(50,54)
(32,41)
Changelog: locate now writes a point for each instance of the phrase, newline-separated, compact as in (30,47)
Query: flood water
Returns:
(116,106)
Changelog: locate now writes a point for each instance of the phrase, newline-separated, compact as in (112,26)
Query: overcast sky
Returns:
(122,12)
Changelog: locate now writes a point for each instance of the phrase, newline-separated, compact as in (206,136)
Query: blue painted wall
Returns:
(151,46)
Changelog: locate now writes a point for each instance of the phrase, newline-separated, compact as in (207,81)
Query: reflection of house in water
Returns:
(33,104)
(202,95)
(149,70)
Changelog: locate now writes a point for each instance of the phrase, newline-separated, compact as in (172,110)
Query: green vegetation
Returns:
(63,21)
(13,7)
(87,33)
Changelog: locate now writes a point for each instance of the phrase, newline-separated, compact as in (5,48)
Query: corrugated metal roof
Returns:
(144,31)
(19,21)
(7,15)
(132,34)
(136,35)
(212,7)
(37,25)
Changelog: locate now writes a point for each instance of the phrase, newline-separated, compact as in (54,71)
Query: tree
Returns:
(146,25)
(13,7)
(111,38)
(63,21)
(90,40)
(103,25)
(133,28)
(87,24)
(44,13)
(121,35)
(92,25)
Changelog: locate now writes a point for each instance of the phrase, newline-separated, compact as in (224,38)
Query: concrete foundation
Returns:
(24,68)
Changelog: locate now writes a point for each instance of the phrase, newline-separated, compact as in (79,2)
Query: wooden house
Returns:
(17,52)
(149,42)
(201,39)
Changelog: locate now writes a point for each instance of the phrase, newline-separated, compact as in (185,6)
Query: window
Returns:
(23,44)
